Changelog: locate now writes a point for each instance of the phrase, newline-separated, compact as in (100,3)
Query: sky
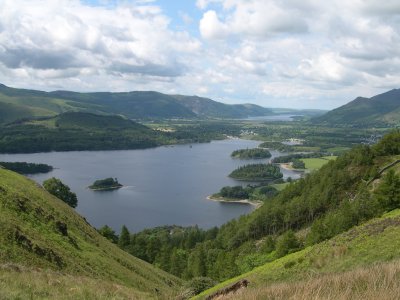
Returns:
(275,53)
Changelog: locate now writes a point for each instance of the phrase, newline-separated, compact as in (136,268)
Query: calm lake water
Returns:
(162,186)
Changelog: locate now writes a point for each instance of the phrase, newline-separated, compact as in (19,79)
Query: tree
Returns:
(55,187)
(286,243)
(108,233)
(388,192)
(124,238)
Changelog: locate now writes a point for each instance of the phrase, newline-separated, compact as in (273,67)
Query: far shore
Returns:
(288,166)
(255,203)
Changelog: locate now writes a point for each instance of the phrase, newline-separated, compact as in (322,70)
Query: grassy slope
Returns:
(373,242)
(31,238)
(316,163)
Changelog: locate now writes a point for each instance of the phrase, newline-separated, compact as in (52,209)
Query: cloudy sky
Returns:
(276,53)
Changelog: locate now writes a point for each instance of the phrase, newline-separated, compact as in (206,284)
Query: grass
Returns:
(381,281)
(316,163)
(338,149)
(40,231)
(20,283)
(280,186)
(361,247)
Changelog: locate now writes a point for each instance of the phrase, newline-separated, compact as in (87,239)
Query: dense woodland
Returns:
(257,172)
(83,131)
(26,168)
(256,153)
(105,184)
(327,202)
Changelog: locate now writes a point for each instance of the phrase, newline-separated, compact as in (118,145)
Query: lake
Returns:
(162,186)
(273,118)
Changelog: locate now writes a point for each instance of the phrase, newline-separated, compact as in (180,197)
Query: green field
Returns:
(316,163)
(280,186)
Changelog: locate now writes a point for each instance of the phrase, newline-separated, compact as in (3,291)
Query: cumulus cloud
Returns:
(65,35)
(272,52)
(251,18)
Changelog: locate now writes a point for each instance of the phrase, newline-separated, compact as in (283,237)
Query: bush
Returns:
(286,243)
(200,284)
(55,187)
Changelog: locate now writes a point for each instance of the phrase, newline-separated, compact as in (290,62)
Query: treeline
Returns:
(82,131)
(261,192)
(328,201)
(289,158)
(256,153)
(276,146)
(257,172)
(26,168)
(234,192)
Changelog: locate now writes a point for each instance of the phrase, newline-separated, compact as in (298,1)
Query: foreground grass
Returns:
(381,281)
(373,242)
(20,283)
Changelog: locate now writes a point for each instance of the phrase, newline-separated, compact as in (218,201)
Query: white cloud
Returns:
(251,18)
(64,35)
(287,52)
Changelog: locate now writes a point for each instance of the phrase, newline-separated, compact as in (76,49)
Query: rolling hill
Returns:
(49,251)
(74,131)
(382,109)
(16,104)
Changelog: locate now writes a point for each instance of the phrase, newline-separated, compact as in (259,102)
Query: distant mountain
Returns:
(18,104)
(204,107)
(383,109)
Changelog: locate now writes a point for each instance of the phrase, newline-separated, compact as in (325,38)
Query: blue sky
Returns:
(275,53)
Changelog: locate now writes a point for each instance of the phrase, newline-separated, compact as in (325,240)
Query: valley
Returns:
(284,192)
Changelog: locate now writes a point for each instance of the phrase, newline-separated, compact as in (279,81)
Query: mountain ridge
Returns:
(133,104)
(381,109)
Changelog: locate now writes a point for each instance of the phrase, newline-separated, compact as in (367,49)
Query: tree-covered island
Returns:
(257,172)
(26,168)
(256,153)
(105,184)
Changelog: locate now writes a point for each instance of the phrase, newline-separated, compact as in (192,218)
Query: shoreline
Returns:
(257,204)
(105,188)
(287,166)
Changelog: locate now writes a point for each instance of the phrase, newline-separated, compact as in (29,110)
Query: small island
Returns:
(26,168)
(235,194)
(257,172)
(105,184)
(256,153)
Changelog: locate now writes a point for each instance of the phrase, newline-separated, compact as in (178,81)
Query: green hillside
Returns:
(19,104)
(48,251)
(383,109)
(78,131)
(353,259)
(204,107)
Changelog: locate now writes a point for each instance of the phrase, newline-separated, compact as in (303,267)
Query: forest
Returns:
(256,153)
(26,168)
(256,172)
(325,202)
